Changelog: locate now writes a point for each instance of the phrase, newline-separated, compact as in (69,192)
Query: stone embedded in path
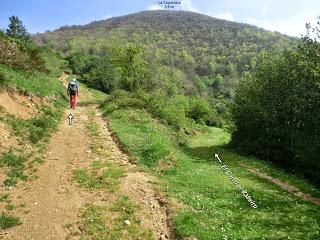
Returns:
(127,222)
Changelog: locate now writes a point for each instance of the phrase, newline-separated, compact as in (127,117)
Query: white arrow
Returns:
(216,155)
(70,117)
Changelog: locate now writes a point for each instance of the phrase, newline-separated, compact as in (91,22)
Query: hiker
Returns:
(73,91)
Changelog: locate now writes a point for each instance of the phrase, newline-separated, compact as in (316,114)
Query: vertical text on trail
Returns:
(70,118)
(243,191)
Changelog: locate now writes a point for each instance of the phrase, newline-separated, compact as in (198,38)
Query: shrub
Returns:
(121,99)
(199,110)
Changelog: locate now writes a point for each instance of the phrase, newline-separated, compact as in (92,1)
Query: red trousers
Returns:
(73,101)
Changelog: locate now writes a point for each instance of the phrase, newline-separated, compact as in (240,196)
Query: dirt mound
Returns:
(19,105)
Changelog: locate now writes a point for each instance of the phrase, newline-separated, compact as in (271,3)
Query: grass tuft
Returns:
(99,176)
(7,221)
(16,165)
(104,223)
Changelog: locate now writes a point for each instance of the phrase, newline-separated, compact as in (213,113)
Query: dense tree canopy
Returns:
(211,53)
(179,52)
(276,110)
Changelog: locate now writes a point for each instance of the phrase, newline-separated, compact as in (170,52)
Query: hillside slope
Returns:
(210,52)
(214,207)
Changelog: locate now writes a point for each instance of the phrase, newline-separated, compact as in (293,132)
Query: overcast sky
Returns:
(287,16)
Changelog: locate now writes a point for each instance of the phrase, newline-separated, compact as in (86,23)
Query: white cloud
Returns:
(105,17)
(293,26)
(154,7)
(264,11)
(187,5)
(225,15)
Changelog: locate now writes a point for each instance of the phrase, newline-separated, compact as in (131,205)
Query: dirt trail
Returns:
(284,185)
(54,200)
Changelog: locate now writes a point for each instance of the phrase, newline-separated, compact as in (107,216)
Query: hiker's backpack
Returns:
(73,88)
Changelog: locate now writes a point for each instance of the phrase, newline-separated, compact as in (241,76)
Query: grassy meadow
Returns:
(214,208)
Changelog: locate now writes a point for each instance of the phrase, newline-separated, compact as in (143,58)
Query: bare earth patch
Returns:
(284,185)
(19,105)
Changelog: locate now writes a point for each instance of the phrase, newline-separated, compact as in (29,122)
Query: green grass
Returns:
(36,83)
(154,143)
(5,198)
(125,210)
(16,166)
(40,127)
(212,137)
(98,95)
(94,223)
(7,221)
(37,131)
(99,176)
(102,223)
(215,209)
(10,207)
(93,128)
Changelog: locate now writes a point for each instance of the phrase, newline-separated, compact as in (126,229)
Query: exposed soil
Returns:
(284,185)
(6,141)
(19,105)
(141,187)
(6,138)
(54,200)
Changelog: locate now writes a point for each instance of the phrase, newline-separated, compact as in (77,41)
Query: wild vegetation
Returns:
(213,209)
(184,72)
(169,81)
(27,69)
(174,54)
(276,108)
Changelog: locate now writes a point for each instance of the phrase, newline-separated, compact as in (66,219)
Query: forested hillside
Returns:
(192,53)
(210,52)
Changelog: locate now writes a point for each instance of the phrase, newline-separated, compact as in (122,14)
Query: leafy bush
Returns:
(199,110)
(121,99)
(15,53)
(134,82)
